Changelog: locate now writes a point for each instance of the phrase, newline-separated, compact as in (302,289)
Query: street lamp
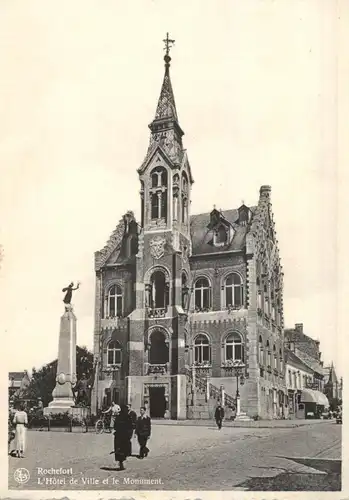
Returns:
(238,367)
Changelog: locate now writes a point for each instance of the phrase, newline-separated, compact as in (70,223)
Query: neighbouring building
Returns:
(182,299)
(332,385)
(304,375)
(17,383)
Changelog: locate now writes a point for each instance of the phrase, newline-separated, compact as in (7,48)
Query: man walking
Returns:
(143,431)
(132,415)
(219,415)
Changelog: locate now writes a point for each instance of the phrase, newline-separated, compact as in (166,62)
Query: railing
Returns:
(157,312)
(211,390)
(157,369)
(202,309)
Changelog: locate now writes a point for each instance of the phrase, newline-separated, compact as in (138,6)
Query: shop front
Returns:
(313,403)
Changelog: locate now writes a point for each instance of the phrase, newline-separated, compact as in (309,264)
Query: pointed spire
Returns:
(166,107)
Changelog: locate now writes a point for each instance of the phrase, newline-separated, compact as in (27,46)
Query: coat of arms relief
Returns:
(157,247)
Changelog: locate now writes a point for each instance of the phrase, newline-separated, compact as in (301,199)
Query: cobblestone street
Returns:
(190,458)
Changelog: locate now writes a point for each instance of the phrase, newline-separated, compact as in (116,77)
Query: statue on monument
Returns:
(69,292)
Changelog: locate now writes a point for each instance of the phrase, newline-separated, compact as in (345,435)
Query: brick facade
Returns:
(188,292)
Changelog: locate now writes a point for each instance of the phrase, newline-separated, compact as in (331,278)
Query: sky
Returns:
(256,93)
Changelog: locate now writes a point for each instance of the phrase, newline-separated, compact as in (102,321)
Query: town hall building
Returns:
(188,308)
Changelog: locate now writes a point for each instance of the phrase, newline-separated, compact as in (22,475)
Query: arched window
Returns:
(184,182)
(234,348)
(114,303)
(159,290)
(159,348)
(261,351)
(202,294)
(202,351)
(234,291)
(114,353)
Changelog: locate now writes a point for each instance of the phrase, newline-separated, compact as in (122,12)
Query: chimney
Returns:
(265,191)
(299,327)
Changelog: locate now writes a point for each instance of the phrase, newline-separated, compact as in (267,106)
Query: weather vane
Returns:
(168,44)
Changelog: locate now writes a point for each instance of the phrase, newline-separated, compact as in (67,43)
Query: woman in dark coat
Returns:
(121,439)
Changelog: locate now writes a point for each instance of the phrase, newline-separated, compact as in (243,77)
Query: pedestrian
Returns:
(112,411)
(20,420)
(121,433)
(11,432)
(132,425)
(143,432)
(219,415)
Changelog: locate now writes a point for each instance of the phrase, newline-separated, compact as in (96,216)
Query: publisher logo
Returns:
(21,475)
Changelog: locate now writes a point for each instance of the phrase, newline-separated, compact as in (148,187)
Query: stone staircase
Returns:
(203,397)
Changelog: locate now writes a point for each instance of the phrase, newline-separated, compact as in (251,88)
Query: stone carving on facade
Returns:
(157,247)
(185,252)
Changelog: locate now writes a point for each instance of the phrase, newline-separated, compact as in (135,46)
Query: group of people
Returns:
(126,424)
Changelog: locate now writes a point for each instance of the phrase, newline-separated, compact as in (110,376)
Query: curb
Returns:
(247,425)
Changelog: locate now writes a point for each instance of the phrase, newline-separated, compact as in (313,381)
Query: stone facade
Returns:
(180,298)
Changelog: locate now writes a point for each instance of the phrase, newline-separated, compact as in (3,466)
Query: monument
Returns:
(63,397)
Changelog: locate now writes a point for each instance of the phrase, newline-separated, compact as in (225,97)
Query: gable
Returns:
(156,155)
(115,249)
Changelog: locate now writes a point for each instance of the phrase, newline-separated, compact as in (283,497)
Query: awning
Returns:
(312,396)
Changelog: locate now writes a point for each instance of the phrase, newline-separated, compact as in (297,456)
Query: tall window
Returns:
(202,349)
(159,193)
(269,353)
(159,290)
(114,353)
(185,289)
(233,291)
(202,294)
(114,303)
(261,351)
(281,361)
(275,358)
(234,349)
(290,378)
(184,198)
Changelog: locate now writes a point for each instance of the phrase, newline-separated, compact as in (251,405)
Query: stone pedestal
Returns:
(63,399)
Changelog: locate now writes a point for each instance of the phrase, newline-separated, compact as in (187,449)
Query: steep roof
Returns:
(294,360)
(166,107)
(201,236)
(310,361)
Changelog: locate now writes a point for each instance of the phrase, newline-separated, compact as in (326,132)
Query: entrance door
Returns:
(157,402)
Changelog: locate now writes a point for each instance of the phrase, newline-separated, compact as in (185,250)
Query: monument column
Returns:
(63,397)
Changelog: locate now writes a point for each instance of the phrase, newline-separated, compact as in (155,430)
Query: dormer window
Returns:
(220,236)
(244,215)
(221,228)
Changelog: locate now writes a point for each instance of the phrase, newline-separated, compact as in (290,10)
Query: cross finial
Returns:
(168,44)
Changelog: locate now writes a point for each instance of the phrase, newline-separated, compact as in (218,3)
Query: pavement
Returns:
(187,457)
(257,424)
